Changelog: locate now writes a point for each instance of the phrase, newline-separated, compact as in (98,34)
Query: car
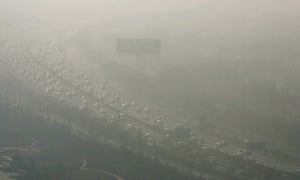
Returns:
(113,100)
(101,110)
(145,117)
(47,91)
(124,106)
(97,105)
(147,110)
(84,101)
(62,99)
(117,97)
(204,148)
(129,126)
(121,115)
(133,103)
(148,134)
(159,123)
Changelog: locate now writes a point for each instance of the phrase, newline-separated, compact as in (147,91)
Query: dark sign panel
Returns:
(139,46)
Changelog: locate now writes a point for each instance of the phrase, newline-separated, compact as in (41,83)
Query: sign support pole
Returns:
(138,60)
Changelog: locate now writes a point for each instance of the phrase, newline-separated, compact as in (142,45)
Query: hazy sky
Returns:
(100,8)
(235,19)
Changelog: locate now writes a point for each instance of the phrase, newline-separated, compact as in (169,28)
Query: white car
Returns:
(61,99)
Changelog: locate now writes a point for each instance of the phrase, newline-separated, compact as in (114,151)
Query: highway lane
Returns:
(107,106)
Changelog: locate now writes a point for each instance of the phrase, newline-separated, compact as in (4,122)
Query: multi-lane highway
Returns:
(64,84)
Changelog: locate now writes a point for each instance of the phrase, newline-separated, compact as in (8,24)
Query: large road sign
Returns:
(139,46)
